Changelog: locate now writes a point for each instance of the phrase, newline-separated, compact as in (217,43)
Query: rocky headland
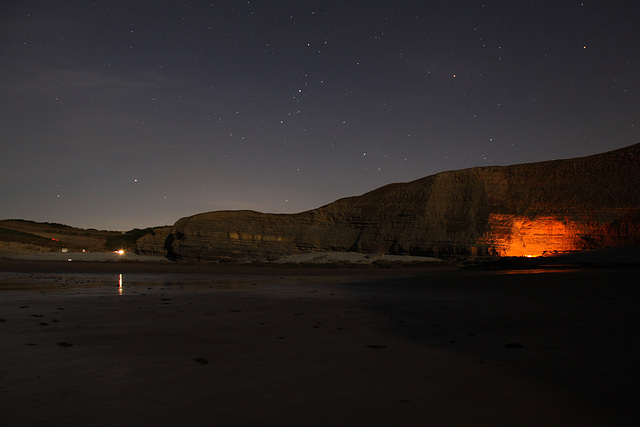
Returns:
(532,209)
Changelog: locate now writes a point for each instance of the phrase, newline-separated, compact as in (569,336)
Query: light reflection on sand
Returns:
(101,283)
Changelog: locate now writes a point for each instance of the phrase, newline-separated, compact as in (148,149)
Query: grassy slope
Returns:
(45,237)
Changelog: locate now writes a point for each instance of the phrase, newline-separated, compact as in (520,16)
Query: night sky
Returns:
(123,114)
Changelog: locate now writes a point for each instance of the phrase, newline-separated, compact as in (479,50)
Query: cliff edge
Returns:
(520,210)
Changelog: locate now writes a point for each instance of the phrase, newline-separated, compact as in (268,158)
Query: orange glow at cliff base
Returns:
(532,237)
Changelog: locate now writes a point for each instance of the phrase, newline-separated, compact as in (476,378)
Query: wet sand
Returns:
(241,345)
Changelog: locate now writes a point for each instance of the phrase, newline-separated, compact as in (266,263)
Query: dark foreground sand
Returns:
(223,346)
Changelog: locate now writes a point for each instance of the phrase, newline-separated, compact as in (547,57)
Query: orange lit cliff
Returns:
(520,210)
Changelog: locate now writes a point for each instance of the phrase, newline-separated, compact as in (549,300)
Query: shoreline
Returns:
(311,263)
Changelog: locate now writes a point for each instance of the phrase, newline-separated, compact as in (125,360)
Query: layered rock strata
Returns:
(153,243)
(520,210)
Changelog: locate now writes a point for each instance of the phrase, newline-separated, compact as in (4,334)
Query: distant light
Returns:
(119,252)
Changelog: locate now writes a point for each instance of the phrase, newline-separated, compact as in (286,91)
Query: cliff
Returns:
(153,243)
(520,210)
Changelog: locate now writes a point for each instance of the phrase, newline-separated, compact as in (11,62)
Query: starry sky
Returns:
(123,114)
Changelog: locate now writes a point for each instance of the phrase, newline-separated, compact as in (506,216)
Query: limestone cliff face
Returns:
(154,242)
(519,210)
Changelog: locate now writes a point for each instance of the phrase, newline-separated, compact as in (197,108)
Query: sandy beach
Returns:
(133,343)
